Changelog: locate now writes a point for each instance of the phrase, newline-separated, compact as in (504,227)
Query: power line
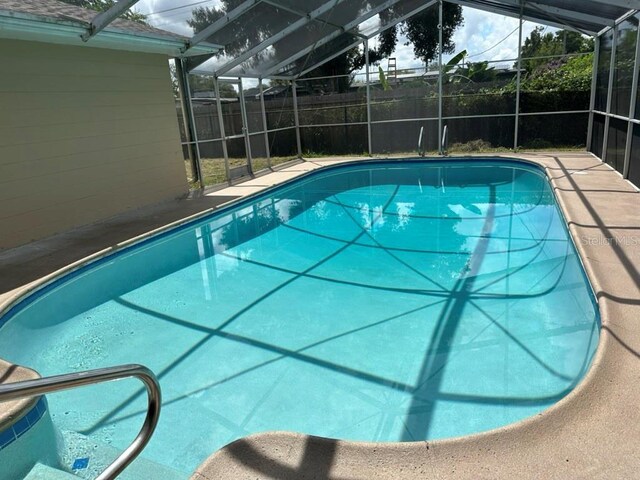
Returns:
(494,46)
(178,8)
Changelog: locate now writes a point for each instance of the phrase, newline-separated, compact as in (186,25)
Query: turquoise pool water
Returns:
(387,301)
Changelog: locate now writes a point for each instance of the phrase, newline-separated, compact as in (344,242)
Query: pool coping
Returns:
(279,453)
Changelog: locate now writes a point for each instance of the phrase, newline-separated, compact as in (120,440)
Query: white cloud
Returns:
(488,36)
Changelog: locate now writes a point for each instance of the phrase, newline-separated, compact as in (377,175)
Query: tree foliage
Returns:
(539,44)
(102,5)
(570,75)
(204,83)
(421,31)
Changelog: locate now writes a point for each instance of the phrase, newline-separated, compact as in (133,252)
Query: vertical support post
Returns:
(187,118)
(264,124)
(368,89)
(296,118)
(223,134)
(594,84)
(440,6)
(518,82)
(245,126)
(632,108)
(192,120)
(607,119)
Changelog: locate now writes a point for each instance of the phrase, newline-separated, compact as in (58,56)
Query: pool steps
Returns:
(33,388)
(100,454)
(41,471)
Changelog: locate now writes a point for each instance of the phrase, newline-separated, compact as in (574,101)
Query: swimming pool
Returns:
(385,301)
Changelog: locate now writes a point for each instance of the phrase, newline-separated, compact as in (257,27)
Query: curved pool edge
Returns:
(488,450)
(590,433)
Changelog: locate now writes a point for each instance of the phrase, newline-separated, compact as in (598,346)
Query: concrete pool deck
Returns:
(594,432)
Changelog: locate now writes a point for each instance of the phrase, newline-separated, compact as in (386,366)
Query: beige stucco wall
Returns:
(85,133)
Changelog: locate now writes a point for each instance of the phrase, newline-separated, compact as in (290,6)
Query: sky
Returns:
(485,36)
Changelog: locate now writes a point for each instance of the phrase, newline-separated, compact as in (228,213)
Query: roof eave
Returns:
(19,26)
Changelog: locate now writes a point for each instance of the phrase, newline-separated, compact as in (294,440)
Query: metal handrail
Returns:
(28,388)
(421,138)
(444,143)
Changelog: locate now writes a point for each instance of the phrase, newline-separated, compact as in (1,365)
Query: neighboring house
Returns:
(87,129)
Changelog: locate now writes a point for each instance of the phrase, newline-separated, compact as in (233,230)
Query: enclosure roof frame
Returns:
(584,16)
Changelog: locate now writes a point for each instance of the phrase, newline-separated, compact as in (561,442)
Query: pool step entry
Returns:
(45,472)
(40,386)
(86,457)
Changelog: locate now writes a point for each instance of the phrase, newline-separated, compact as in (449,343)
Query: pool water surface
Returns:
(384,301)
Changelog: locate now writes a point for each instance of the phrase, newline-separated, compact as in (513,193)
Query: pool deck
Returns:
(594,432)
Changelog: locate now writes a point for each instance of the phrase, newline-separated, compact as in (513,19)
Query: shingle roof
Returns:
(63,12)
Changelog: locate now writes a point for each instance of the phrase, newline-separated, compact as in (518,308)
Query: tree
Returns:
(420,30)
(102,5)
(572,75)
(562,42)
(200,83)
(204,83)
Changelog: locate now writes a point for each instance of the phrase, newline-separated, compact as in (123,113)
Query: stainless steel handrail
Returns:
(444,144)
(421,138)
(28,388)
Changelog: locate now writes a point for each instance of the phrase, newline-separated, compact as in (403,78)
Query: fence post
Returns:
(225,152)
(518,81)
(296,118)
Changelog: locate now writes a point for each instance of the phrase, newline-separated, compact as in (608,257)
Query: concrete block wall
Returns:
(85,133)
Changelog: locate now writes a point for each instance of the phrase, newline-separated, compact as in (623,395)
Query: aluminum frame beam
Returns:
(378,31)
(329,37)
(278,36)
(516,127)
(562,14)
(592,97)
(632,110)
(630,4)
(265,125)
(103,19)
(296,118)
(440,76)
(219,24)
(509,13)
(368,90)
(301,13)
(612,66)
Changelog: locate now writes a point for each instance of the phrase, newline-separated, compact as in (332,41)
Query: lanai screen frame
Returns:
(591,17)
(600,149)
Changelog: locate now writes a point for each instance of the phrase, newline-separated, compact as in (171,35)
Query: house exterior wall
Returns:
(85,134)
